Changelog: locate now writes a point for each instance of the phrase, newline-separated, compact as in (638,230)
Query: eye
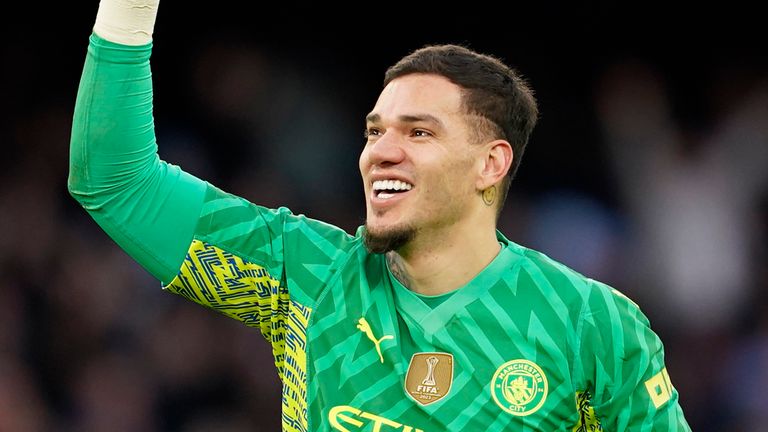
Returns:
(421,133)
(370,132)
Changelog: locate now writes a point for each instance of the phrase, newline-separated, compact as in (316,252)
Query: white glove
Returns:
(127,22)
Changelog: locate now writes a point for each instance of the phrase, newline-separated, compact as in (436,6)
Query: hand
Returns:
(127,22)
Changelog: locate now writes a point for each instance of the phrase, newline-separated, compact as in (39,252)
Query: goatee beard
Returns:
(388,240)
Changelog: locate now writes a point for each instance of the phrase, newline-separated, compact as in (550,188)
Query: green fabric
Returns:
(588,340)
(150,208)
(530,344)
(435,301)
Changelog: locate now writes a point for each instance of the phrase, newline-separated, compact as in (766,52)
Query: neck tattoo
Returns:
(489,195)
(397,268)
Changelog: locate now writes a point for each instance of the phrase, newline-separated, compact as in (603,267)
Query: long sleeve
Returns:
(622,359)
(149,207)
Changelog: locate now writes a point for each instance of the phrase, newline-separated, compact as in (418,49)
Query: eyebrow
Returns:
(408,118)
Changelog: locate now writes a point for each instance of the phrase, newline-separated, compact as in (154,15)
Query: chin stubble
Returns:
(389,240)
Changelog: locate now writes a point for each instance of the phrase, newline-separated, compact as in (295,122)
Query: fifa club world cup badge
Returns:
(519,387)
(429,377)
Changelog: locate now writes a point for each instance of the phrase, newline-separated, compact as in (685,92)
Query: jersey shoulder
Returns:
(572,286)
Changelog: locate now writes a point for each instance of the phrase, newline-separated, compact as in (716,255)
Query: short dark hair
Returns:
(493,91)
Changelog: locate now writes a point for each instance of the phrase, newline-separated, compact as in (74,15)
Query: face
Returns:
(418,165)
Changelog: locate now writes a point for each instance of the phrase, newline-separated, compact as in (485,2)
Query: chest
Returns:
(376,363)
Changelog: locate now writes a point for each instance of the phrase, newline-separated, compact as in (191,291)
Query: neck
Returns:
(433,265)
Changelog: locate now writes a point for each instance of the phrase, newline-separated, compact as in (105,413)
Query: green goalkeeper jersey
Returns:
(527,345)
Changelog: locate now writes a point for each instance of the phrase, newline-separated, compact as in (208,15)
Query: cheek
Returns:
(455,184)
(442,189)
(362,162)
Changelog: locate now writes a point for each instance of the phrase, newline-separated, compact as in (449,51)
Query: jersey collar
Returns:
(430,320)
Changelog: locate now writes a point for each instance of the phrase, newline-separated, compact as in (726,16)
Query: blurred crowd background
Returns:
(648,170)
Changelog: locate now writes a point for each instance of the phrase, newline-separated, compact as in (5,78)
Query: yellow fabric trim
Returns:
(588,421)
(247,292)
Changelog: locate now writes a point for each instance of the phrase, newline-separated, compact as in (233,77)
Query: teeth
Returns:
(379,185)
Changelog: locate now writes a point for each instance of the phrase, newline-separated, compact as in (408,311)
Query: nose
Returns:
(387,150)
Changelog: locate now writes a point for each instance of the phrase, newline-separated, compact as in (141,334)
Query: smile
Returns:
(386,189)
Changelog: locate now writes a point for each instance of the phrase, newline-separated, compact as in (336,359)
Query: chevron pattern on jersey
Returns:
(246,292)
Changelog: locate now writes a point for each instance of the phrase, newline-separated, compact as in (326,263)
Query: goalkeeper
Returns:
(427,318)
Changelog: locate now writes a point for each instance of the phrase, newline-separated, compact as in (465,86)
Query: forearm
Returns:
(148,207)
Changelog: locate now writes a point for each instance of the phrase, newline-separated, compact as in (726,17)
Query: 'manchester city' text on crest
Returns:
(519,387)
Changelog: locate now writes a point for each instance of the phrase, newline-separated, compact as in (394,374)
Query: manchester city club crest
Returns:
(519,387)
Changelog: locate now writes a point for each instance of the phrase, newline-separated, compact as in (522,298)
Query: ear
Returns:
(495,164)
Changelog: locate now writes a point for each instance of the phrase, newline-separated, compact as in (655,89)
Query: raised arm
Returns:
(149,207)
(165,218)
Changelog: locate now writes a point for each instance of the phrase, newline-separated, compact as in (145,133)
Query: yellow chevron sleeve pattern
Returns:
(588,421)
(247,292)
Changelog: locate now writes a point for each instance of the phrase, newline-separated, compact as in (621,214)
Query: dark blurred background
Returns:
(648,170)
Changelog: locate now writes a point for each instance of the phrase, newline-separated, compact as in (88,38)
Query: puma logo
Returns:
(364,327)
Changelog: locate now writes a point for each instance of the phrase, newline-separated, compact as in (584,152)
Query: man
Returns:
(427,319)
